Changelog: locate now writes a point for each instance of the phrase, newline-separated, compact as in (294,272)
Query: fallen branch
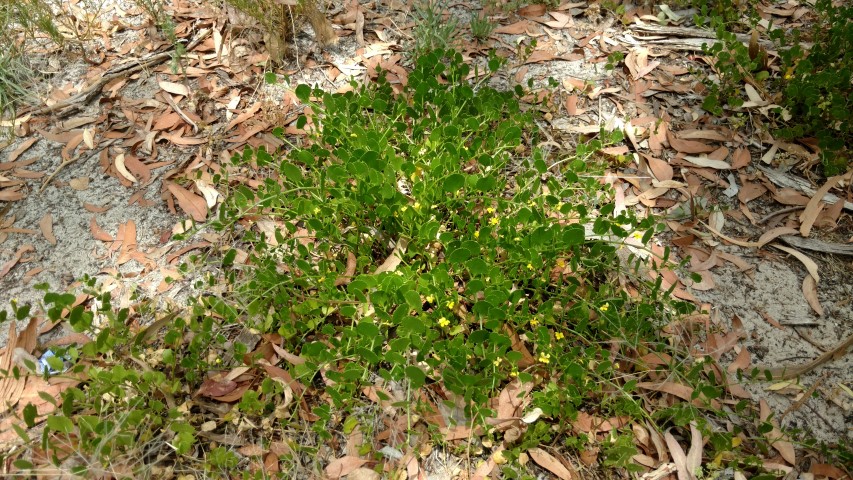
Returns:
(817,245)
(787,180)
(794,371)
(75,103)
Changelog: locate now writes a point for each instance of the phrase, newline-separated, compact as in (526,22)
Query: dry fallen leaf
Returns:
(79,184)
(809,215)
(343,466)
(777,439)
(46,226)
(98,233)
(810,264)
(210,193)
(705,161)
(810,292)
(190,203)
(550,463)
(390,264)
(175,88)
(122,169)
(15,259)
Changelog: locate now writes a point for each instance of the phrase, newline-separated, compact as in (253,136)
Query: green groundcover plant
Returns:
(419,239)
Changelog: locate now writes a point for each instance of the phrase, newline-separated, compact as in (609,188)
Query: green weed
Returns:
(433,30)
(481,27)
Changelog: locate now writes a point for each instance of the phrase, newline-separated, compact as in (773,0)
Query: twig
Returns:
(780,212)
(65,164)
(804,397)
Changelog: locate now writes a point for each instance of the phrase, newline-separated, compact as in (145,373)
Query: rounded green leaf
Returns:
(459,255)
(416,376)
(454,182)
(303,92)
(573,235)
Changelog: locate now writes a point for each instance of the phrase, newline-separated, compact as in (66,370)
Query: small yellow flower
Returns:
(404,208)
(534,322)
(545,358)
(530,266)
(417,205)
(493,221)
(561,263)
(513,374)
(451,304)
(559,336)
(605,307)
(497,362)
(316,210)
(477,234)
(443,322)
(490,210)
(430,299)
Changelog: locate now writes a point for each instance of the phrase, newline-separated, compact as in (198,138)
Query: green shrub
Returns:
(491,244)
(814,85)
(818,84)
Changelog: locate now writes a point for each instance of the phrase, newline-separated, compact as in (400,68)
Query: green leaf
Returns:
(270,78)
(459,255)
(416,376)
(303,93)
(413,300)
(368,329)
(574,235)
(30,414)
(22,464)
(453,182)
(291,172)
(60,424)
(47,398)
(477,267)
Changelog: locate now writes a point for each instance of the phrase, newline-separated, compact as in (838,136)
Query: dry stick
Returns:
(808,393)
(64,164)
(84,97)
(790,372)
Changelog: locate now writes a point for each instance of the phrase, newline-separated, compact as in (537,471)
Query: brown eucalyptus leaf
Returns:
(194,205)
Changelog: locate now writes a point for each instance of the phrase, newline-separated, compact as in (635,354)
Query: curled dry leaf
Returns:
(210,193)
(98,233)
(175,88)
(809,215)
(349,272)
(810,264)
(91,207)
(705,161)
(122,169)
(390,264)
(15,259)
(810,292)
(89,137)
(707,282)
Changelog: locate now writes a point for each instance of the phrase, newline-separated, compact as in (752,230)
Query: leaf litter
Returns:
(135,164)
